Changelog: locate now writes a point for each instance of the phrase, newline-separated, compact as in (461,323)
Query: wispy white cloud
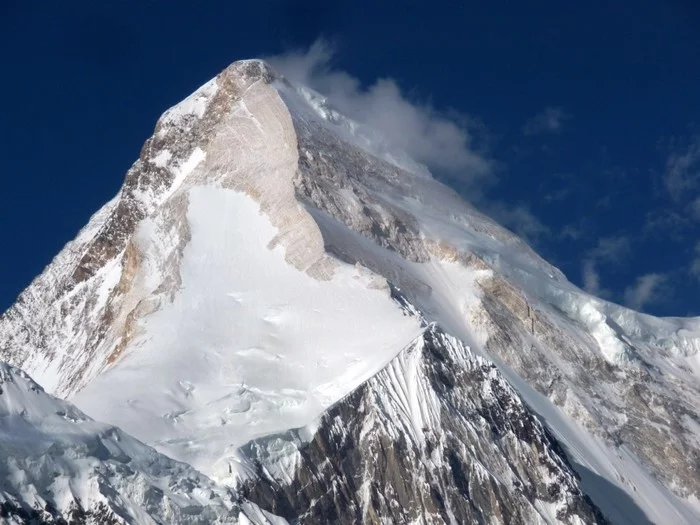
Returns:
(549,120)
(558,195)
(571,232)
(441,141)
(695,209)
(608,250)
(682,173)
(519,219)
(614,249)
(591,278)
(695,263)
(647,289)
(666,223)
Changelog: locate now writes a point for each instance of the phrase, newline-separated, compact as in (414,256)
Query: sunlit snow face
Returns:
(250,345)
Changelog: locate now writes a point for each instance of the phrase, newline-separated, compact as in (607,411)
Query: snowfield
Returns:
(250,346)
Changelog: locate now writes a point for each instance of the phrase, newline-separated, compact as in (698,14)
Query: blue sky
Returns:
(576,124)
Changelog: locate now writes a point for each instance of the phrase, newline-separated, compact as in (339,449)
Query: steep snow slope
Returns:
(58,464)
(249,346)
(237,286)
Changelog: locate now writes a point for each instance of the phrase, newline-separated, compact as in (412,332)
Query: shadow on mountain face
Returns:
(615,504)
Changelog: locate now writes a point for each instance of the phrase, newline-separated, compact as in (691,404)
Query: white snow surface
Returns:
(250,346)
(54,454)
(193,106)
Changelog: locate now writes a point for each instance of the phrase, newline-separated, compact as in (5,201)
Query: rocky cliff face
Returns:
(239,287)
(438,436)
(615,372)
(634,404)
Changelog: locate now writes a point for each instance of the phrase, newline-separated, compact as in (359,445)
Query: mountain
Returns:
(279,300)
(437,436)
(59,466)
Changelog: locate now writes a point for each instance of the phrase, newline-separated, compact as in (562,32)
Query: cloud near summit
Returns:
(550,120)
(429,136)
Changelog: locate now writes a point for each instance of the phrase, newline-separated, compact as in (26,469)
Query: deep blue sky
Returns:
(590,114)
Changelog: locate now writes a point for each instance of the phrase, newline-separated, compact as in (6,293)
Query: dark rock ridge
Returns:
(438,436)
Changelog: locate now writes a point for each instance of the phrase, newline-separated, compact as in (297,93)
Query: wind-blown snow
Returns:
(310,105)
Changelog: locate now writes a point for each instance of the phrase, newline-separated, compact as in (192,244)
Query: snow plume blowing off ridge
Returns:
(446,142)
(443,142)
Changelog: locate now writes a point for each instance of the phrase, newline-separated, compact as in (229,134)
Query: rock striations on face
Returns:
(315,330)
(438,436)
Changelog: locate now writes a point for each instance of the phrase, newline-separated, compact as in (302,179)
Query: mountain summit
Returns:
(323,333)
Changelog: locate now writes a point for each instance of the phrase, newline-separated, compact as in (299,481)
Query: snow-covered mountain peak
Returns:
(264,260)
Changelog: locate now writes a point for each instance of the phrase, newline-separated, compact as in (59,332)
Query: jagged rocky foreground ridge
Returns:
(438,436)
(235,307)
(60,466)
